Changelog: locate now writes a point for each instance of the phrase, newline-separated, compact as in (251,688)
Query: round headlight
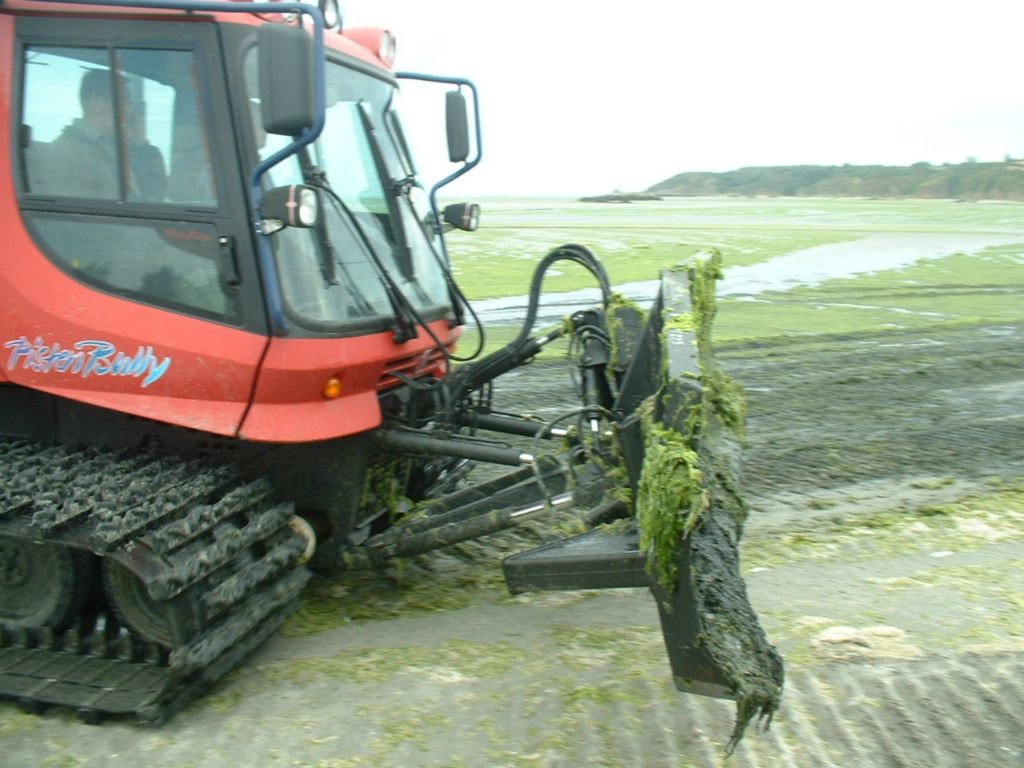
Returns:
(309,207)
(386,48)
(331,12)
(462,216)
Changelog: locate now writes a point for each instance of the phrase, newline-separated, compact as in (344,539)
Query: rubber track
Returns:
(190,532)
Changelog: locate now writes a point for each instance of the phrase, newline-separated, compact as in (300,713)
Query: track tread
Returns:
(201,533)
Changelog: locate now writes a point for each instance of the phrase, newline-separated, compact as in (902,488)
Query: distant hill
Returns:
(970,181)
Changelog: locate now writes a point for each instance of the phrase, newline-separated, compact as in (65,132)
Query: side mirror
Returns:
(286,79)
(457,123)
(462,216)
(295,205)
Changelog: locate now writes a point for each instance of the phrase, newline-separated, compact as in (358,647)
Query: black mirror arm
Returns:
(471,162)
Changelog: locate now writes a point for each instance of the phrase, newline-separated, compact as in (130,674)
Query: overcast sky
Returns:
(583,97)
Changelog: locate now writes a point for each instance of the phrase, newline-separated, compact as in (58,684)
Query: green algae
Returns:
(961,526)
(377,665)
(498,259)
(621,640)
(617,300)
(975,606)
(63,761)
(409,590)
(674,488)
(12,721)
(690,508)
(973,580)
(932,295)
(461,575)
(670,496)
(728,401)
(623,335)
(382,489)
(412,728)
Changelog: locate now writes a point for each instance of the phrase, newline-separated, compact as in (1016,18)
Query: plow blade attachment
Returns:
(679,429)
(601,559)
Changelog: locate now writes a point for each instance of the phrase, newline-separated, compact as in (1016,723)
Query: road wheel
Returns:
(41,584)
(168,623)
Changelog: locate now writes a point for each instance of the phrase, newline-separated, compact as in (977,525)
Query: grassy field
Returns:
(634,241)
(953,291)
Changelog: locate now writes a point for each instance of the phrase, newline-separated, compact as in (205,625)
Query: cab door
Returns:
(127,275)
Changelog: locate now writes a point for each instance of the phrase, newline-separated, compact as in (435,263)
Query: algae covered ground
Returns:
(884,552)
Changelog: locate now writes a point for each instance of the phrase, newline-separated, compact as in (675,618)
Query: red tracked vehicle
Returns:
(228,329)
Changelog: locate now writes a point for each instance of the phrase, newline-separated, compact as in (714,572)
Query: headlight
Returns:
(331,12)
(386,48)
(295,205)
(309,207)
(462,216)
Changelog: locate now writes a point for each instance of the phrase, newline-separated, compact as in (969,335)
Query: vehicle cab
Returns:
(213,218)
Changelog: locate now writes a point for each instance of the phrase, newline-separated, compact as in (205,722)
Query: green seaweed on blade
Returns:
(690,508)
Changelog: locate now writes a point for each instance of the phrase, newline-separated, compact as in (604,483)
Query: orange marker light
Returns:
(332,388)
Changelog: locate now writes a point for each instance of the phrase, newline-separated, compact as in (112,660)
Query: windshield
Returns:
(328,277)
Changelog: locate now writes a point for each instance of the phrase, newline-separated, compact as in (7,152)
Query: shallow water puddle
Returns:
(808,266)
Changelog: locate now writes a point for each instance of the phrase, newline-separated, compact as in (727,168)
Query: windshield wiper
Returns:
(405,325)
(315,177)
(403,187)
(404,255)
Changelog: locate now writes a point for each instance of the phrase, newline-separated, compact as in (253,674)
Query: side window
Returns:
(57,130)
(115,124)
(169,263)
(117,137)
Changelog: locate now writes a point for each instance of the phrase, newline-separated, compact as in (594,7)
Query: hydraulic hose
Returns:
(571,252)
(522,348)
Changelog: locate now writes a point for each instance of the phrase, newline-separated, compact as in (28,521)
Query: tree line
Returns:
(967,181)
